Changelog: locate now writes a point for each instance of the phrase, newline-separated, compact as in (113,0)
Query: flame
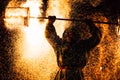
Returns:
(36,46)
(36,55)
(34,6)
(34,33)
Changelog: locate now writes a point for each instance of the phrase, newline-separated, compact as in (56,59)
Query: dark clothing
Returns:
(71,51)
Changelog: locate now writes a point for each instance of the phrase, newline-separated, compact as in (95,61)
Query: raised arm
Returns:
(50,33)
(94,39)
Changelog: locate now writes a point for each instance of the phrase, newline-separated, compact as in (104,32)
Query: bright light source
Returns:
(16,17)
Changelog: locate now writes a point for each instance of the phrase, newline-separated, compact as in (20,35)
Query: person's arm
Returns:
(50,33)
(94,39)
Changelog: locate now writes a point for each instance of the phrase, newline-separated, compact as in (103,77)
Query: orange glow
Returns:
(34,33)
(35,57)
(15,17)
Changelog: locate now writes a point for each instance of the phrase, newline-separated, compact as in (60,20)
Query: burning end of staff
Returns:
(22,16)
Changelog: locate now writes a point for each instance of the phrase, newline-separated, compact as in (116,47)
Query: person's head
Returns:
(71,35)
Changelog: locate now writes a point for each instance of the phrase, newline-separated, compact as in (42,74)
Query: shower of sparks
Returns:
(35,58)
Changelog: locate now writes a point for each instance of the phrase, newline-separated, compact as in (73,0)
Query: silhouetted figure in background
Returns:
(71,51)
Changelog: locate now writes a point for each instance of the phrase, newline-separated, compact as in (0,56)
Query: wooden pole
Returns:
(77,20)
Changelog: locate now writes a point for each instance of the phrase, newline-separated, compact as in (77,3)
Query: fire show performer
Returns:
(72,52)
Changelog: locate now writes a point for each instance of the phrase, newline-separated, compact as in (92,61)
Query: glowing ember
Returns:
(118,27)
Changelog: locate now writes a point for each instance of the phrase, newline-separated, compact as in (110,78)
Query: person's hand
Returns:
(51,19)
(88,21)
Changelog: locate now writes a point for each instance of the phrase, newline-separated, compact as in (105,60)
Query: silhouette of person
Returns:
(71,51)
